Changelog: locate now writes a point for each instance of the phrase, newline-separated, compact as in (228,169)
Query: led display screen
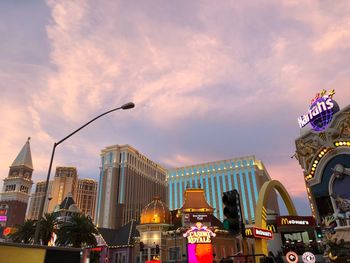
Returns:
(200,253)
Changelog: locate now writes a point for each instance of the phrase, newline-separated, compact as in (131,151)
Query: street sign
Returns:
(292,257)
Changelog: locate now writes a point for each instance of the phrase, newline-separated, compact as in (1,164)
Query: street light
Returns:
(126,106)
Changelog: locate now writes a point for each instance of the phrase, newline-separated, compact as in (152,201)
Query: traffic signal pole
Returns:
(234,221)
(244,238)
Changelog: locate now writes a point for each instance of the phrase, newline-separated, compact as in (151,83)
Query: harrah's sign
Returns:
(199,234)
(321,103)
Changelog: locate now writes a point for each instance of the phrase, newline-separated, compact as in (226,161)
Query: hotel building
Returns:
(245,174)
(35,200)
(85,196)
(64,182)
(128,181)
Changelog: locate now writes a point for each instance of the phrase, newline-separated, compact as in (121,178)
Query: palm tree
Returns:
(77,232)
(24,233)
(48,222)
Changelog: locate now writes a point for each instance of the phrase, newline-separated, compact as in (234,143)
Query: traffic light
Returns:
(142,246)
(157,249)
(318,232)
(232,211)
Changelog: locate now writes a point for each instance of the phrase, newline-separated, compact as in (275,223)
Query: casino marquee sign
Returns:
(199,234)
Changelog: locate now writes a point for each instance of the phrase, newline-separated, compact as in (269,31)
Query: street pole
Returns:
(42,203)
(126,106)
(175,245)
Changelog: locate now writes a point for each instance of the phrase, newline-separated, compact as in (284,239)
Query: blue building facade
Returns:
(245,174)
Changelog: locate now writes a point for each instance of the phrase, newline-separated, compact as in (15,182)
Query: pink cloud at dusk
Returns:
(210,80)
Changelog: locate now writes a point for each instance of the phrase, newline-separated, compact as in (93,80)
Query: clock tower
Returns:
(16,189)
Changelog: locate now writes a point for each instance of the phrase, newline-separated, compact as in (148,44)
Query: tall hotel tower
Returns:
(64,182)
(35,200)
(246,174)
(85,196)
(16,190)
(128,182)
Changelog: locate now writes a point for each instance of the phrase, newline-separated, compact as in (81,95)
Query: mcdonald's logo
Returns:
(295,221)
(248,232)
(284,221)
(272,228)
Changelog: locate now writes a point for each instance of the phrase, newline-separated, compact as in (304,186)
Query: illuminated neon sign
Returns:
(3,212)
(200,253)
(199,234)
(320,111)
(295,221)
(262,233)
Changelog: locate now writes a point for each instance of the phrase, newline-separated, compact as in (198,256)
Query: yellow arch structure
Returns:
(260,210)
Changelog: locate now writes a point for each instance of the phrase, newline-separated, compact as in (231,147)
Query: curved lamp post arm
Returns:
(126,106)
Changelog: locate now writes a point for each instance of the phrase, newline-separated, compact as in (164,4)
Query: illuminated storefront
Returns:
(323,152)
(199,247)
(298,234)
(189,234)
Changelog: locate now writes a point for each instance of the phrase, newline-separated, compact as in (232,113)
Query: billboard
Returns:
(200,253)
(199,248)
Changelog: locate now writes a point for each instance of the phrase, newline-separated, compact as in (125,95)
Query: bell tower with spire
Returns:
(16,189)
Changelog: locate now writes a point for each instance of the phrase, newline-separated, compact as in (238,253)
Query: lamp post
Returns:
(126,106)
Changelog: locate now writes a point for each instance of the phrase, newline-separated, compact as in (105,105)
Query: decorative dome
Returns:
(155,212)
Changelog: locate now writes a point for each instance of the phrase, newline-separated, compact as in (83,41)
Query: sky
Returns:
(211,80)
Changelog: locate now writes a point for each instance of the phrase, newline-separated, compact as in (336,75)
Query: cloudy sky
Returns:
(211,80)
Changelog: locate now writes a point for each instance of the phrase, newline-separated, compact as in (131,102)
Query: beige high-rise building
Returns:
(85,196)
(128,182)
(35,200)
(65,181)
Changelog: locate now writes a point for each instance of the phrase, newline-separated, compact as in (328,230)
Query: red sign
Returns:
(262,233)
(3,212)
(7,231)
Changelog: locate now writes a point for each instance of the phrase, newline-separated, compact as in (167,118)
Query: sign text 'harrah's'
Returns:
(322,102)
